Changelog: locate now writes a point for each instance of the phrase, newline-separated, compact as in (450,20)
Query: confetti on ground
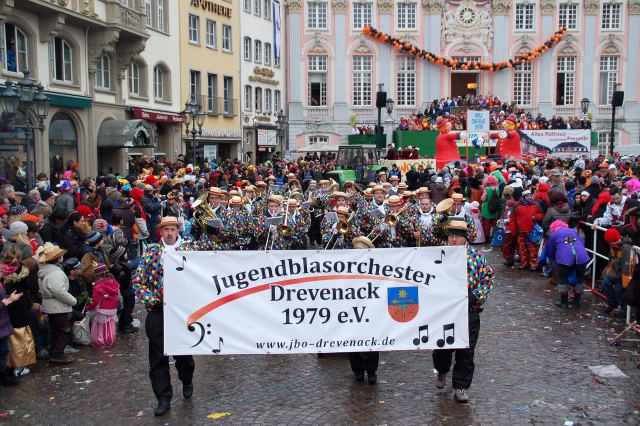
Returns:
(217,415)
(52,398)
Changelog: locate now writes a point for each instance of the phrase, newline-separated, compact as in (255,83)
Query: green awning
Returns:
(73,101)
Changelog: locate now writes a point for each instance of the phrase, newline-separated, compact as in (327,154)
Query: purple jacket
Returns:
(559,247)
(6,329)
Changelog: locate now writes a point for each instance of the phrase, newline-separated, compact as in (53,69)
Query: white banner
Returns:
(267,137)
(556,142)
(286,302)
(478,121)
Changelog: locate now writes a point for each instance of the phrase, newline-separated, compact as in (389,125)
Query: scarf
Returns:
(8,269)
(173,246)
(524,202)
(13,276)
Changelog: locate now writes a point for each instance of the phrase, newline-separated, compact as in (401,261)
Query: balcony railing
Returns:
(221,106)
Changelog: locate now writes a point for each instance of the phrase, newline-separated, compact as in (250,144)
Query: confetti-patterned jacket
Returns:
(300,223)
(147,280)
(241,225)
(479,278)
(275,240)
(222,240)
(437,233)
(338,240)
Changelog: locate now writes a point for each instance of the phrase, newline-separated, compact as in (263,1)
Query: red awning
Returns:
(149,115)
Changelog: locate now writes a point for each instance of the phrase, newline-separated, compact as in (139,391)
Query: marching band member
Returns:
(148,283)
(399,233)
(422,219)
(364,361)
(479,282)
(260,201)
(268,236)
(240,224)
(338,199)
(333,238)
(352,192)
(437,235)
(394,180)
(249,198)
(216,238)
(299,221)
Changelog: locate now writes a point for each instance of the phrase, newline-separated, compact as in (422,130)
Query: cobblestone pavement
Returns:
(531,368)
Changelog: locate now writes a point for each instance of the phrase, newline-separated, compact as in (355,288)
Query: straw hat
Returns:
(394,200)
(363,240)
(377,188)
(444,205)
(276,199)
(343,210)
(49,252)
(169,221)
(214,190)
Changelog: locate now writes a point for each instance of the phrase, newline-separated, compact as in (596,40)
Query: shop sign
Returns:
(209,6)
(156,116)
(222,133)
(62,142)
(13,141)
(267,137)
(210,152)
(86,7)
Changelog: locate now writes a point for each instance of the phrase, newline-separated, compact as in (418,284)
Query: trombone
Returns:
(391,219)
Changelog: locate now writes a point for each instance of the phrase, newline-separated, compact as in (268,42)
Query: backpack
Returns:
(535,236)
(494,204)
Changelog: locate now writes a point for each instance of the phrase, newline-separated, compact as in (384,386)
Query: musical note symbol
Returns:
(181,268)
(424,338)
(439,261)
(449,339)
(220,342)
(191,328)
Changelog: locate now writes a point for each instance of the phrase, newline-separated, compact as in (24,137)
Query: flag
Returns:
(276,29)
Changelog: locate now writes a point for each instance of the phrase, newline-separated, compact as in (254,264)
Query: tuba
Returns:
(202,211)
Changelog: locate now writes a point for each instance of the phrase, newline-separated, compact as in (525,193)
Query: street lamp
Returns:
(30,98)
(584,104)
(193,118)
(389,106)
(281,127)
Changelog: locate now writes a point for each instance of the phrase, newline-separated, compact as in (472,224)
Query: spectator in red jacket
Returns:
(523,215)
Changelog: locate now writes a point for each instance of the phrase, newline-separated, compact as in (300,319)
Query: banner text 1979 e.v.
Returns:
(286,302)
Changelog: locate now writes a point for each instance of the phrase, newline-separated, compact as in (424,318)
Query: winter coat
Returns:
(554,213)
(523,216)
(67,202)
(73,241)
(18,282)
(6,329)
(559,247)
(128,219)
(438,192)
(25,249)
(51,233)
(54,287)
(105,295)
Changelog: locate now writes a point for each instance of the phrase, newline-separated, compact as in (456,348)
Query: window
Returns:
(568,15)
(604,142)
(362,15)
(267,54)
(608,78)
(248,97)
(160,23)
(276,61)
(566,76)
(194,29)
(267,100)
(247,48)
(211,34)
(277,106)
(226,38)
(103,80)
(13,47)
(317,15)
(212,93)
(258,99)
(611,16)
(267,10)
(228,96)
(524,16)
(361,80)
(318,139)
(246,5)
(124,3)
(148,10)
(257,7)
(62,60)
(522,88)
(406,81)
(194,84)
(406,16)
(257,51)
(317,89)
(134,79)
(158,83)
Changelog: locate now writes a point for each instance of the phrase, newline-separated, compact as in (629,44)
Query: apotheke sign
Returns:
(222,133)
(210,6)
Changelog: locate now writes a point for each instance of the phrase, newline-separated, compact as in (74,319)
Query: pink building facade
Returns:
(334,70)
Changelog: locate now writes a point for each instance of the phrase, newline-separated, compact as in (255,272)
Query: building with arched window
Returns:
(334,69)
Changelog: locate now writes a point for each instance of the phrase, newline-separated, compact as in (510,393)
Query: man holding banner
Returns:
(148,283)
(480,283)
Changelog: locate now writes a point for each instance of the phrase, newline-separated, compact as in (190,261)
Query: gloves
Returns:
(503,134)
(463,134)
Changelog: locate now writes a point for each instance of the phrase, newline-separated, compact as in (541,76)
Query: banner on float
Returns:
(478,121)
(556,142)
(405,165)
(287,302)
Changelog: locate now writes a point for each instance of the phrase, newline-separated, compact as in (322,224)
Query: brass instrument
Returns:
(391,219)
(173,194)
(202,212)
(284,229)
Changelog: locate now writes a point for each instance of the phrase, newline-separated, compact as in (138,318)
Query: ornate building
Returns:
(334,70)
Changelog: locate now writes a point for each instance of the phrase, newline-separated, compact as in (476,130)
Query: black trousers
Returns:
(361,361)
(464,366)
(159,363)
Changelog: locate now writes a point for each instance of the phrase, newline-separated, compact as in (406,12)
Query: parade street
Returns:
(531,368)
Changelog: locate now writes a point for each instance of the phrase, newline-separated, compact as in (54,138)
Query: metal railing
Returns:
(596,255)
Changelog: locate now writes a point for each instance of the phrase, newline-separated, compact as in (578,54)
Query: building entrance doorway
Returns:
(464,83)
